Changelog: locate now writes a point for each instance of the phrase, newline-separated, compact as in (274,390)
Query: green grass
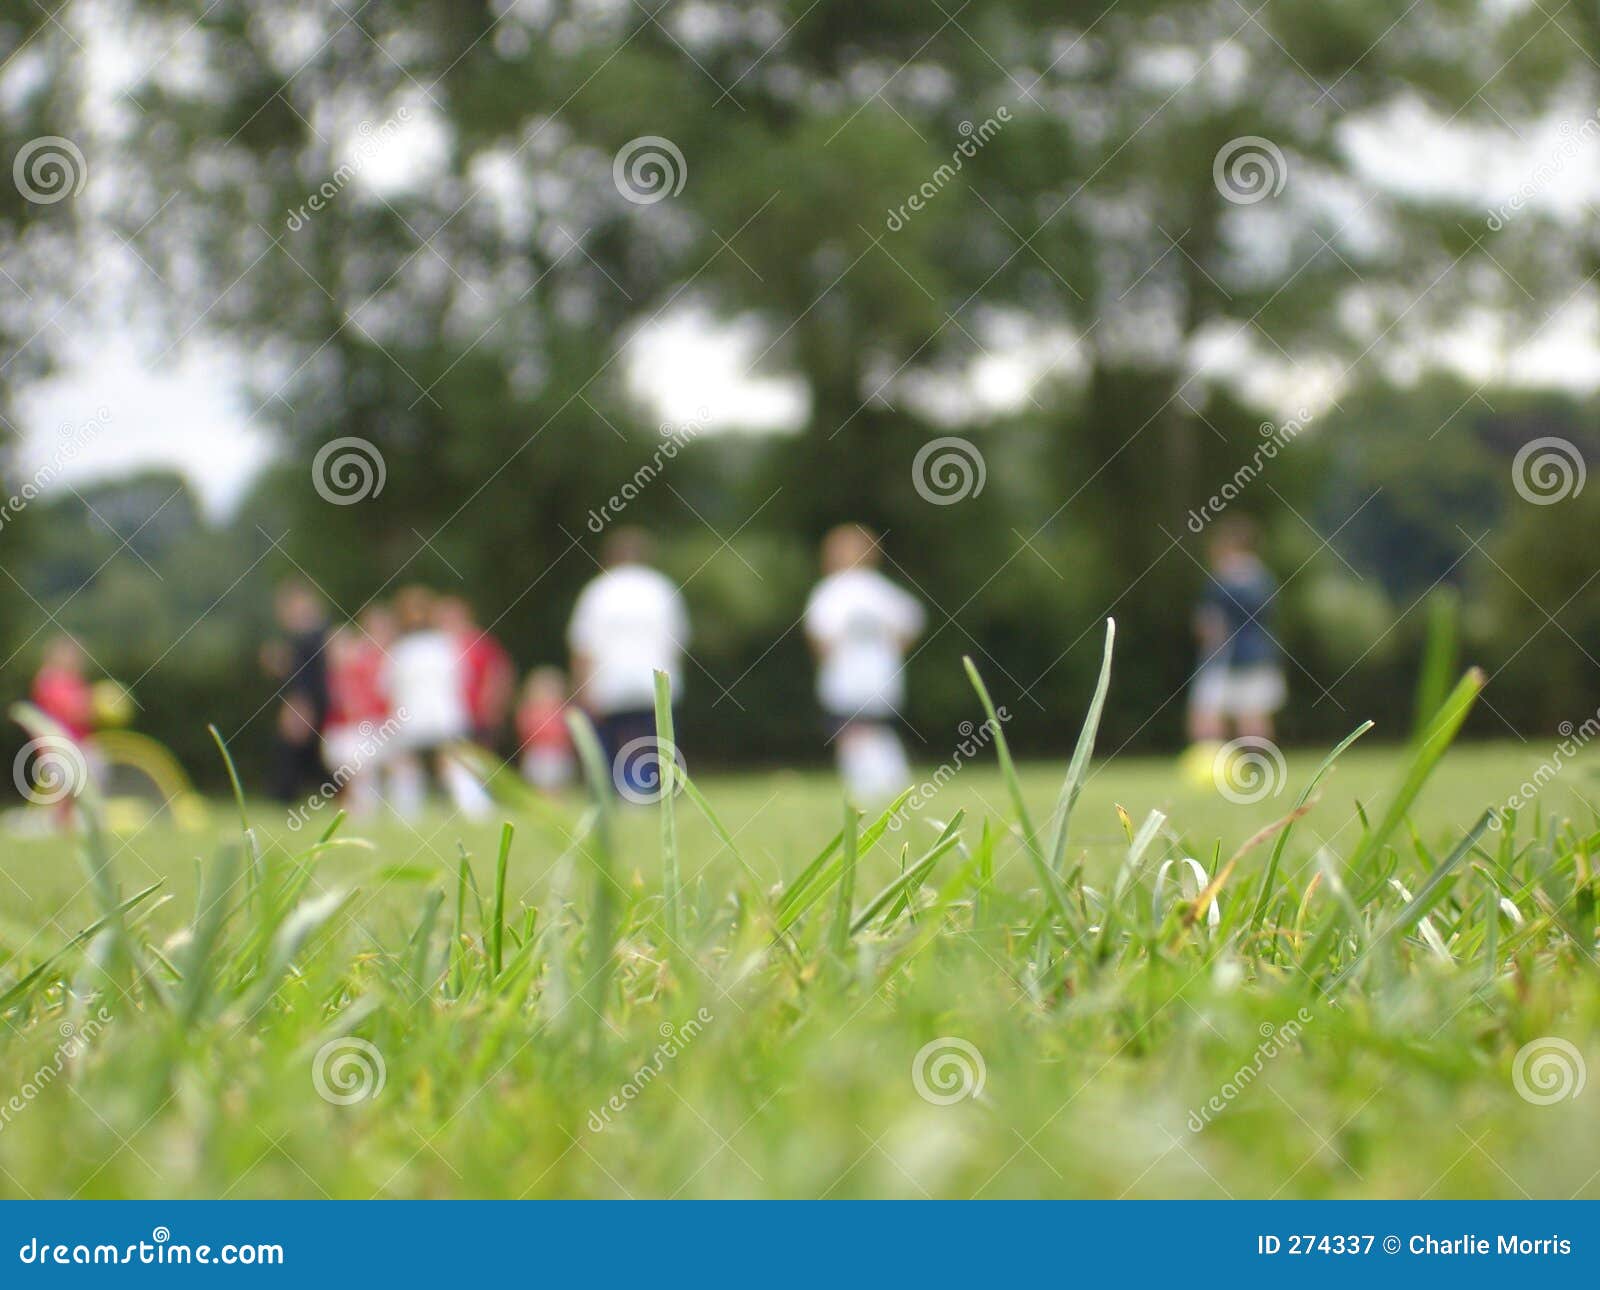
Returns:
(509,1006)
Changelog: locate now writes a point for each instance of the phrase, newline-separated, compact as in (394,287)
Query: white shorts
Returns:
(352,747)
(547,768)
(1238,691)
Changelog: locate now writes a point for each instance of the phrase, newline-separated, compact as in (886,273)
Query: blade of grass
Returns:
(1305,796)
(847,883)
(1441,732)
(1438,657)
(667,758)
(914,875)
(820,875)
(598,849)
(21,986)
(1055,894)
(206,934)
(1427,896)
(507,832)
(1078,767)
(458,931)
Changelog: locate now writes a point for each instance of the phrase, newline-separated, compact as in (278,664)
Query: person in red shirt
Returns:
(62,692)
(542,735)
(359,709)
(490,675)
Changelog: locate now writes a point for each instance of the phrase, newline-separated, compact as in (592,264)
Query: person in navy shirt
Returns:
(1240,676)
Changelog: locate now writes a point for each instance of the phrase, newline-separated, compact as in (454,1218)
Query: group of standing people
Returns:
(380,705)
(392,700)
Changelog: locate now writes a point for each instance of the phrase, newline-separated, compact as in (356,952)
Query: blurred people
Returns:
(359,710)
(61,690)
(297,662)
(425,680)
(628,623)
(860,625)
(543,739)
(488,674)
(1240,677)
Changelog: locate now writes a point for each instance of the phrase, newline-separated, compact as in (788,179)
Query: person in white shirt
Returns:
(425,680)
(628,623)
(860,625)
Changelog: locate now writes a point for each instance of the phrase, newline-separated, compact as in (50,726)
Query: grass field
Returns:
(761,1028)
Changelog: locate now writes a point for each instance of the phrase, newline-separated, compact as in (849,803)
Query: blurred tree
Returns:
(436,225)
(42,197)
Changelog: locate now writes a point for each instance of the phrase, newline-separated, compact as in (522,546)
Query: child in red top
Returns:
(358,711)
(488,674)
(542,735)
(62,692)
